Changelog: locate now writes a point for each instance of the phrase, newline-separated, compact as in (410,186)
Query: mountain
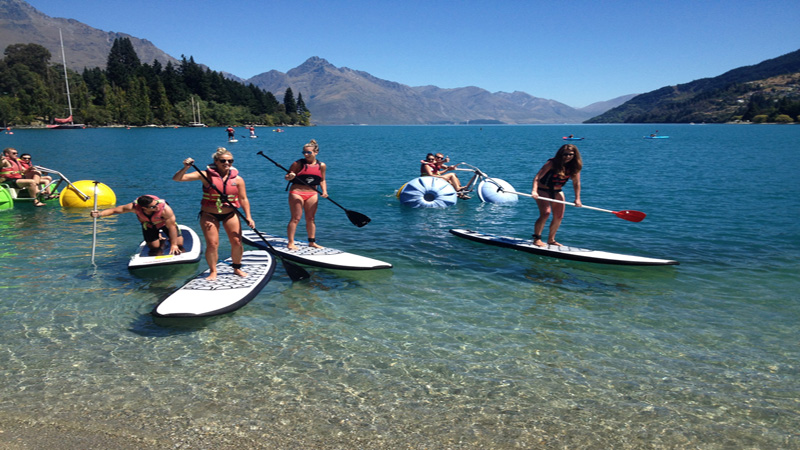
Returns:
(342,96)
(601,107)
(712,100)
(84,46)
(333,95)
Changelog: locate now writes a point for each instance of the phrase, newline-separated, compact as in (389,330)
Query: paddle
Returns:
(631,216)
(356,218)
(295,272)
(94,225)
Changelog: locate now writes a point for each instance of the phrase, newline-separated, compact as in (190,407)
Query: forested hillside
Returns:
(765,92)
(129,92)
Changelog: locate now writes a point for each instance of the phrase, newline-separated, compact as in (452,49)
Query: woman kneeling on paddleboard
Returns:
(547,183)
(215,209)
(305,175)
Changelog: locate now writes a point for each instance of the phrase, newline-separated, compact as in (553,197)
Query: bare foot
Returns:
(291,246)
(240,273)
(315,245)
(539,243)
(212,276)
(37,203)
(554,243)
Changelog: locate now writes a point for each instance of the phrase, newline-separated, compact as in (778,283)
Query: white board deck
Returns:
(561,252)
(329,258)
(191,243)
(229,292)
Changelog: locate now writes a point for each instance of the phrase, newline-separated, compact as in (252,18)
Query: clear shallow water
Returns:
(460,345)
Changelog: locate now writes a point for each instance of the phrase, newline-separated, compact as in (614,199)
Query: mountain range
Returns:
(334,95)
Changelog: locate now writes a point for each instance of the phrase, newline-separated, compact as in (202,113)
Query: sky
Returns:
(575,52)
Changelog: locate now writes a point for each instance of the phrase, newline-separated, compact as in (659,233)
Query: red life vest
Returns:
(156,219)
(13,171)
(227,186)
(310,173)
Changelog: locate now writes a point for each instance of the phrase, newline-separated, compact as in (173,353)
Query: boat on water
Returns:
(68,123)
(435,192)
(196,115)
(60,189)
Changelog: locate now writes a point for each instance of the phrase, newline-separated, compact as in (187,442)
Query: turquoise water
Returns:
(459,345)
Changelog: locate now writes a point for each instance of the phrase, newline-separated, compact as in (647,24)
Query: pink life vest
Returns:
(227,186)
(14,171)
(156,219)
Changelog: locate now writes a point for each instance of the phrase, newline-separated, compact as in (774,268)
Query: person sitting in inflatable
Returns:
(433,166)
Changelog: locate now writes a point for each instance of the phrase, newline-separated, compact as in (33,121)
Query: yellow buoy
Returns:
(70,198)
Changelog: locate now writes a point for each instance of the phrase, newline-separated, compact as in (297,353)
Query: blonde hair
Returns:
(221,151)
(313,144)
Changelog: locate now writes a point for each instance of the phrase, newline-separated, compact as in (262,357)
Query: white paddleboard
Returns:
(191,244)
(200,297)
(562,252)
(233,140)
(327,257)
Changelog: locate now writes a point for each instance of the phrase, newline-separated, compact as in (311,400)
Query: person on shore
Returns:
(12,173)
(305,175)
(436,168)
(216,210)
(156,216)
(564,166)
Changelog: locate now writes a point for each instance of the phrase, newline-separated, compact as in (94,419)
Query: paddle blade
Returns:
(631,216)
(357,218)
(295,272)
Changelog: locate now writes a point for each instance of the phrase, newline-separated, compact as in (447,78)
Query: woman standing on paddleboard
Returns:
(215,209)
(547,183)
(305,174)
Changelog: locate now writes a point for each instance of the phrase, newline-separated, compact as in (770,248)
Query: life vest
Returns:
(156,219)
(434,169)
(227,186)
(553,180)
(310,173)
(13,171)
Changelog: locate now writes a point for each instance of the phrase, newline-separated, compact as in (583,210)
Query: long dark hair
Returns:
(572,167)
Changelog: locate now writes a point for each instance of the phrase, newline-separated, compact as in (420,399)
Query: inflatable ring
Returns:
(69,198)
(428,192)
(488,191)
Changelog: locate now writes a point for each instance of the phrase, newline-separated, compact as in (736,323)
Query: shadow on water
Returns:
(150,326)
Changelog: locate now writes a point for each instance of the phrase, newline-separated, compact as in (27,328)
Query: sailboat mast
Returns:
(66,80)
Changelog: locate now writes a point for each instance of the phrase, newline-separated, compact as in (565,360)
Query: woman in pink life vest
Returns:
(155,216)
(305,175)
(216,210)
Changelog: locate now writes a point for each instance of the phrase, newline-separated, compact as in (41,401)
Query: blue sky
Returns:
(576,52)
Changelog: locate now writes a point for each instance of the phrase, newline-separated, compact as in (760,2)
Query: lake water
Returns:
(460,345)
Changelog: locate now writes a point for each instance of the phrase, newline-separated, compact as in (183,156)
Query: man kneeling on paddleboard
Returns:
(156,216)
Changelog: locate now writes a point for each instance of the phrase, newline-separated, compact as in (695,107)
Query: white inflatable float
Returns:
(433,192)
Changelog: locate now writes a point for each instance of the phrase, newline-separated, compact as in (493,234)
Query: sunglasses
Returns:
(25,159)
(151,206)
(306,152)
(225,161)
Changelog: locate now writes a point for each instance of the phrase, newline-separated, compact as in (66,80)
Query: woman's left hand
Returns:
(578,203)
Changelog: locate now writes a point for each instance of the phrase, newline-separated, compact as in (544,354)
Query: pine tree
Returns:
(122,63)
(289,102)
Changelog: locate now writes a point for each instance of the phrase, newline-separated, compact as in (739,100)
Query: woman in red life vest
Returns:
(305,175)
(216,210)
(155,216)
(547,183)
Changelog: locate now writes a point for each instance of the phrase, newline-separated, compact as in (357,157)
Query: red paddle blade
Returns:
(631,216)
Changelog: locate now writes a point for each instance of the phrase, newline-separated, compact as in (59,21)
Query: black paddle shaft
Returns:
(295,272)
(356,218)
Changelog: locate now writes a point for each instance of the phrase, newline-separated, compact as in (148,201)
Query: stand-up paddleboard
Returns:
(192,251)
(201,298)
(329,258)
(656,137)
(562,252)
(233,140)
